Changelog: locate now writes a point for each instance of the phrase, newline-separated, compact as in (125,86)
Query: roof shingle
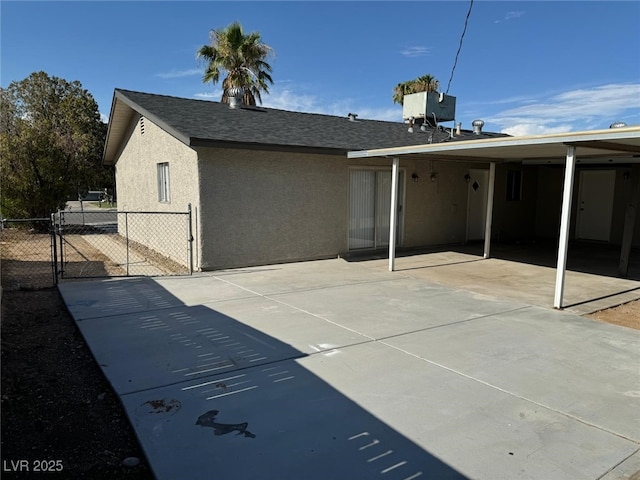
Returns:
(202,122)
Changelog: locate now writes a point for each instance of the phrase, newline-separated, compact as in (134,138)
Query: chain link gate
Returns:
(96,244)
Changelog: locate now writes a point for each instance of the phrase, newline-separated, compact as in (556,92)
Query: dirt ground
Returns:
(626,315)
(58,410)
(56,404)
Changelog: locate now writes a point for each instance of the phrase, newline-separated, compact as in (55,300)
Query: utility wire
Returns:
(459,46)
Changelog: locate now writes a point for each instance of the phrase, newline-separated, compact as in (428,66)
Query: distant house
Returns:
(271,186)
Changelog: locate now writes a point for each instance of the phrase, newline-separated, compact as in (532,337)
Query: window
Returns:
(514,185)
(163,182)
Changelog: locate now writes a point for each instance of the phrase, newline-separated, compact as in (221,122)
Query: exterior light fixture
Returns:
(467,178)
(415,177)
(433,177)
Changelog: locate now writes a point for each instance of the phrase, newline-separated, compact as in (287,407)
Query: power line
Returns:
(460,46)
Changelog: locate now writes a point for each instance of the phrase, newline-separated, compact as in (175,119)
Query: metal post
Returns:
(190,228)
(394,214)
(565,220)
(488,220)
(126,237)
(60,235)
(54,253)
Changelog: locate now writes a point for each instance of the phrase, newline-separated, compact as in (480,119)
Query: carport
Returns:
(599,147)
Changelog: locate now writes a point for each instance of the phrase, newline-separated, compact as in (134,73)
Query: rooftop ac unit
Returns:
(424,105)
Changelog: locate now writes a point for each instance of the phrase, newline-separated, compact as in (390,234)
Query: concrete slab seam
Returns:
(515,395)
(267,297)
(352,284)
(466,320)
(617,465)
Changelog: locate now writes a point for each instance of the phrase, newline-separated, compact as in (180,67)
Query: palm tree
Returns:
(425,83)
(242,57)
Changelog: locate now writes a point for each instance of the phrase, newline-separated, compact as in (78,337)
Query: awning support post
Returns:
(565,221)
(394,213)
(487,225)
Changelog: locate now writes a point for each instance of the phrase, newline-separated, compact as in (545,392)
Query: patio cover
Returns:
(615,145)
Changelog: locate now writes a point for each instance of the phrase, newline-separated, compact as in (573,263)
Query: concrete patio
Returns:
(341,369)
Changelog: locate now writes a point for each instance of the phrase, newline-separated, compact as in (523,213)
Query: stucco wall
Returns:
(435,211)
(262,207)
(267,207)
(137,189)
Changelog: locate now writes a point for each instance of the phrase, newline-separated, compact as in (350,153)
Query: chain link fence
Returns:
(26,252)
(111,243)
(37,252)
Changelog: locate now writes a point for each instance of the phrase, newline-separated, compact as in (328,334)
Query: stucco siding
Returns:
(435,211)
(137,189)
(269,207)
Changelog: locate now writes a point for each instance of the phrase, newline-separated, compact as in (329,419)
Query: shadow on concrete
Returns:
(594,259)
(209,395)
(588,258)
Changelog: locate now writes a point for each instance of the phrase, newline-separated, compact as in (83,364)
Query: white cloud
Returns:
(416,51)
(511,15)
(533,129)
(180,73)
(287,99)
(579,109)
(104,118)
(215,95)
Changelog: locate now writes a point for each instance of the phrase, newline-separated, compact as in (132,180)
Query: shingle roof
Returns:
(202,123)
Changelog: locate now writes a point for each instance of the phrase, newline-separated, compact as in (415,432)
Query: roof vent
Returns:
(477,126)
(617,125)
(352,116)
(235,95)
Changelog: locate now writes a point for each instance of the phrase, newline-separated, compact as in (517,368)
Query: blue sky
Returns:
(524,67)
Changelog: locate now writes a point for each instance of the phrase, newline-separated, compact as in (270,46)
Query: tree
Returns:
(51,141)
(242,57)
(425,83)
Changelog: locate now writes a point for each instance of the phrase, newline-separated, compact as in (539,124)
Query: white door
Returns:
(477,204)
(595,204)
(370,208)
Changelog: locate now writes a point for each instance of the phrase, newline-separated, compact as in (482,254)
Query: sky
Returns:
(523,67)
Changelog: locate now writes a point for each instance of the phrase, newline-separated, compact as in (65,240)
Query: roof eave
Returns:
(120,124)
(493,149)
(208,143)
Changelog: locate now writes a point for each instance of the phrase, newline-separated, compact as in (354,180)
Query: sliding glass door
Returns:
(370,208)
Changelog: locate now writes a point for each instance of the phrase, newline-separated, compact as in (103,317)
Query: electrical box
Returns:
(427,104)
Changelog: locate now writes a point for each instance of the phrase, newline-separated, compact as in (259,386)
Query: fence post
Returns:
(54,253)
(126,237)
(61,236)
(190,242)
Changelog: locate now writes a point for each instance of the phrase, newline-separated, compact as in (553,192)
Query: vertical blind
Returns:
(370,208)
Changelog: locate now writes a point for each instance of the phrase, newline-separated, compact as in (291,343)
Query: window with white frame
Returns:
(163,182)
